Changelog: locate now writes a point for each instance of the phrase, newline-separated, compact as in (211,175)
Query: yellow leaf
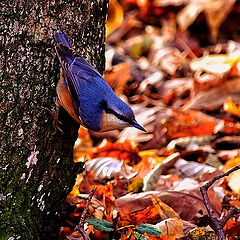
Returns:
(234,178)
(115,16)
(231,107)
(201,233)
(165,211)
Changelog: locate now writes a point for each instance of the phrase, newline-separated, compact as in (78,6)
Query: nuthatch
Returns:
(86,96)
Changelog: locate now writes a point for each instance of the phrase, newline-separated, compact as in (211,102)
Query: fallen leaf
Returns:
(232,229)
(82,145)
(193,169)
(215,11)
(118,76)
(151,179)
(115,16)
(234,181)
(149,214)
(171,226)
(231,107)
(234,178)
(186,142)
(122,150)
(187,203)
(216,64)
(215,97)
(227,142)
(201,233)
(165,211)
(188,123)
(107,167)
(129,22)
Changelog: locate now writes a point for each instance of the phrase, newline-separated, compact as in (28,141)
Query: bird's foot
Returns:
(55,116)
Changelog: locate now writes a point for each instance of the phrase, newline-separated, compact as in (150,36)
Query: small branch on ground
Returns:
(218,224)
(80,226)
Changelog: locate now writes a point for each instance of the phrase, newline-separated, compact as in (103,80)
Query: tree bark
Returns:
(37,170)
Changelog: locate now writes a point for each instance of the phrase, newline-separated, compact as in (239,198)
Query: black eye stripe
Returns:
(121,117)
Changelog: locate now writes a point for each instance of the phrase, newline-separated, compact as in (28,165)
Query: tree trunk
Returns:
(37,170)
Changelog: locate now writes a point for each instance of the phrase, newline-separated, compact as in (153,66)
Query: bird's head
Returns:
(117,114)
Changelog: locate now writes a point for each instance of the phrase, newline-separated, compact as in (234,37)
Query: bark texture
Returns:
(37,170)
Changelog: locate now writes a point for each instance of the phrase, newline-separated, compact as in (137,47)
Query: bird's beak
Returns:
(138,126)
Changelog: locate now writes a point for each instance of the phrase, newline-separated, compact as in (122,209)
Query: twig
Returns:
(218,224)
(229,214)
(80,226)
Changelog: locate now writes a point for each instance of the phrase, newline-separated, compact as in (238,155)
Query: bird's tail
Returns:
(61,37)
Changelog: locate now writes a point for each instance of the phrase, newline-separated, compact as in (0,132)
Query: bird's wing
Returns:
(86,85)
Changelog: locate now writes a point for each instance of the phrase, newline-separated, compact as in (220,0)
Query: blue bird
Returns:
(86,96)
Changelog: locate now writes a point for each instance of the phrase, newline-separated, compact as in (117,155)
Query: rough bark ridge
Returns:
(37,170)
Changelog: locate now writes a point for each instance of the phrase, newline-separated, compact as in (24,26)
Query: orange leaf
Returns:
(189,123)
(232,228)
(232,163)
(126,151)
(82,145)
(119,76)
(231,107)
(115,16)
(148,215)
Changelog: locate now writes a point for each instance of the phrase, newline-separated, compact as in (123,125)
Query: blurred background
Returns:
(176,63)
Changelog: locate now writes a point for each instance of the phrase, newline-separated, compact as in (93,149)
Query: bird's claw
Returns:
(56,122)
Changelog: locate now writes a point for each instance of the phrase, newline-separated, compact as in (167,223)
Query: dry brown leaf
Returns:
(153,79)
(228,142)
(129,22)
(215,97)
(165,211)
(228,154)
(233,162)
(215,11)
(167,59)
(181,87)
(164,3)
(171,226)
(186,203)
(232,228)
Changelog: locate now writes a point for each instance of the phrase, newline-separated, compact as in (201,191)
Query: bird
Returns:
(85,94)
